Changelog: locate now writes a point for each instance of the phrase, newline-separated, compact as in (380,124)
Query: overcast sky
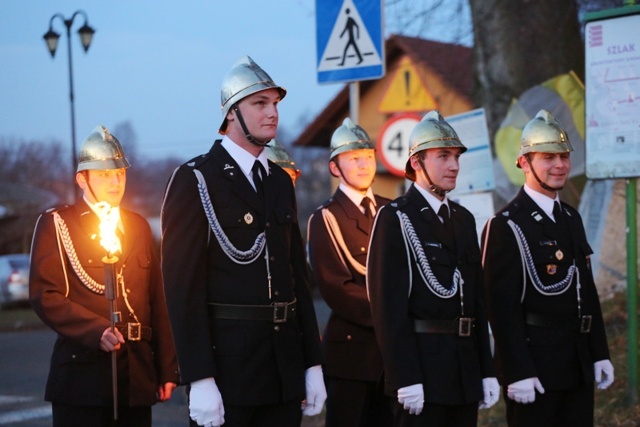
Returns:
(156,64)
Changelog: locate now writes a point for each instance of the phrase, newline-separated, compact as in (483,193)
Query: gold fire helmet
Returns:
(245,78)
(101,151)
(431,132)
(348,137)
(543,134)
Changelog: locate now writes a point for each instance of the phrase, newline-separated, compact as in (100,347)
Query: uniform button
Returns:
(90,261)
(268,224)
(272,258)
(276,293)
(349,337)
(276,328)
(73,356)
(362,249)
(128,291)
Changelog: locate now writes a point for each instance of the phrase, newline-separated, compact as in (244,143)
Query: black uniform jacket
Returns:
(254,362)
(80,372)
(560,357)
(349,342)
(450,367)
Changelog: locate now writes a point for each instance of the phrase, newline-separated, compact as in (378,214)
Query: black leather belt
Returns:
(134,331)
(462,326)
(581,324)
(276,312)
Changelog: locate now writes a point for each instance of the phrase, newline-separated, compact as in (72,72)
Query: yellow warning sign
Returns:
(406,92)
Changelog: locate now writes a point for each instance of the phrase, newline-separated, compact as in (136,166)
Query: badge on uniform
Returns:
(559,255)
(248,218)
(552,269)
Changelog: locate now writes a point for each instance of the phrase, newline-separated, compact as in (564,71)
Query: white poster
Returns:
(612,91)
(476,165)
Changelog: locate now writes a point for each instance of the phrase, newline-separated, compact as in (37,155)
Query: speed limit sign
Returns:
(393,142)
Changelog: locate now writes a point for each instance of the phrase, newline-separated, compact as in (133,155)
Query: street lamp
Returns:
(51,37)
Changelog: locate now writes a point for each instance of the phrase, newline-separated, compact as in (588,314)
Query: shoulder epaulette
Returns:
(59,208)
(196,161)
(399,202)
(325,203)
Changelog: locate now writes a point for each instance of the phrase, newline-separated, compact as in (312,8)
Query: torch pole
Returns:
(111,292)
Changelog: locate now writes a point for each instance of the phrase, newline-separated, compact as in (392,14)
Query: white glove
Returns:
(491,390)
(412,398)
(524,391)
(205,403)
(316,392)
(603,370)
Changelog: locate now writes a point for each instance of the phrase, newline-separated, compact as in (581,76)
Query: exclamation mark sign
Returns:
(407,85)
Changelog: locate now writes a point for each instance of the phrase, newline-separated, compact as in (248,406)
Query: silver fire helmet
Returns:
(245,78)
(431,132)
(101,151)
(348,137)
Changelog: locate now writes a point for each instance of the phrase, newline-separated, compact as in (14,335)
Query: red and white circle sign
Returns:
(392,145)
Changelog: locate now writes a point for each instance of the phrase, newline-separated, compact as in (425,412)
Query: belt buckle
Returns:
(280,308)
(134,331)
(464,326)
(585,324)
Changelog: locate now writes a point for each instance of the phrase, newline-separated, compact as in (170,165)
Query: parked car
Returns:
(14,280)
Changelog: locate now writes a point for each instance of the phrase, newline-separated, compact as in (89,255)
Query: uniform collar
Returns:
(355,196)
(433,201)
(243,158)
(544,202)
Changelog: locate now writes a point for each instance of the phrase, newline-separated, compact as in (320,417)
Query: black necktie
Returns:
(443,213)
(257,173)
(557,212)
(366,204)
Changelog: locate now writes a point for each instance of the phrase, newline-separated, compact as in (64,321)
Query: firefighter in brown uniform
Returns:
(67,292)
(543,304)
(235,271)
(425,285)
(338,238)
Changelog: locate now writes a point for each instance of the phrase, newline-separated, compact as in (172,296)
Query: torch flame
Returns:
(109,218)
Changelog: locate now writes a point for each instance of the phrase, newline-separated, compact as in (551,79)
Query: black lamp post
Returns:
(51,37)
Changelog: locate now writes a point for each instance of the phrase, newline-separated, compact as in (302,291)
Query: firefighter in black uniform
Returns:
(426,291)
(235,271)
(543,303)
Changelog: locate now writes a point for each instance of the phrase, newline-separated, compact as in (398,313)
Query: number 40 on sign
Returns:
(393,142)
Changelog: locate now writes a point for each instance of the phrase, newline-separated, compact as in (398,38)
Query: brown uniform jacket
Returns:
(80,373)
(349,342)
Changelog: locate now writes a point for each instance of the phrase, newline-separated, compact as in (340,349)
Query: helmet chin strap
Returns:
(434,188)
(247,134)
(535,175)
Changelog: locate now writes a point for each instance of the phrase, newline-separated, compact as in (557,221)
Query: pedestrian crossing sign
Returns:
(349,40)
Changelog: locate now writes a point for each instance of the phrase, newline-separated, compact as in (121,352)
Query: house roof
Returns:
(453,63)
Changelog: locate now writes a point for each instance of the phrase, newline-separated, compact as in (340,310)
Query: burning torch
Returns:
(109,219)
